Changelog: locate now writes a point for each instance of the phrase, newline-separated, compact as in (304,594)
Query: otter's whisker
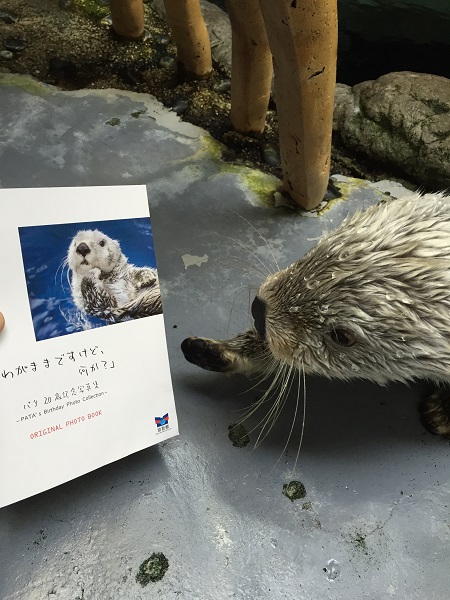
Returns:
(303,418)
(258,269)
(293,423)
(267,417)
(286,395)
(270,366)
(61,267)
(236,296)
(260,235)
(257,404)
(277,407)
(242,245)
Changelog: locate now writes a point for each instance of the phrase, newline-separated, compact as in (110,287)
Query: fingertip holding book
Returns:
(2,322)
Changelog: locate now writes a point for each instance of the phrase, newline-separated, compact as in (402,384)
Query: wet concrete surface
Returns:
(374,523)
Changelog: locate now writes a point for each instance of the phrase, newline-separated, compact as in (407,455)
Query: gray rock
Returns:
(402,119)
(167,62)
(8,18)
(15,44)
(6,55)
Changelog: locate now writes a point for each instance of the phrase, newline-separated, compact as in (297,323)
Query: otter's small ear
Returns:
(342,337)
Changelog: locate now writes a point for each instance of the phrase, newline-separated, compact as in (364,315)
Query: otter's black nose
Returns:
(83,249)
(259,316)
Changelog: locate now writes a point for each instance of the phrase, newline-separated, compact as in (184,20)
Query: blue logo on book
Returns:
(162,423)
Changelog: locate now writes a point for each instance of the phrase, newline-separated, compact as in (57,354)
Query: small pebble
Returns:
(271,155)
(180,107)
(8,18)
(113,122)
(167,62)
(6,55)
(15,44)
(162,39)
(106,21)
(146,36)
(223,86)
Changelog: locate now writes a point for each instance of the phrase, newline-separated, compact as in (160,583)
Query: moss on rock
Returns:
(152,569)
(238,435)
(294,490)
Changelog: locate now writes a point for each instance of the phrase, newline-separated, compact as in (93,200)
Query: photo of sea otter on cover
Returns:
(85,275)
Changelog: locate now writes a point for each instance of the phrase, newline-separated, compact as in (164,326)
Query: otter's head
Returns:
(370,300)
(92,249)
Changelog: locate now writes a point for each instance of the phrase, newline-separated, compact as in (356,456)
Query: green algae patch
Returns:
(212,147)
(26,83)
(152,569)
(238,435)
(262,185)
(358,540)
(294,490)
(92,8)
(136,114)
(306,506)
(113,122)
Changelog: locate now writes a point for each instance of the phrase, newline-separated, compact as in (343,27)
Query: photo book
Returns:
(84,368)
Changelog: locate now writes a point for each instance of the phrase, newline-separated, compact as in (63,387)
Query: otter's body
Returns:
(371,301)
(105,285)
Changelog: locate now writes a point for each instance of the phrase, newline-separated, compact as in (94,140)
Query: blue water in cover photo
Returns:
(44,250)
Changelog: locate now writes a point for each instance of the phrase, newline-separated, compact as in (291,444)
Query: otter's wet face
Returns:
(371,300)
(349,310)
(91,249)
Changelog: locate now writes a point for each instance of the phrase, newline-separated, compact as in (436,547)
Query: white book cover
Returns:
(84,369)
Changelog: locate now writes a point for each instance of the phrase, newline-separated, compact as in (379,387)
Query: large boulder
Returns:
(402,119)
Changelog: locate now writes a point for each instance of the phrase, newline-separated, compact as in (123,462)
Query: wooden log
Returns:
(303,40)
(251,69)
(191,37)
(127,18)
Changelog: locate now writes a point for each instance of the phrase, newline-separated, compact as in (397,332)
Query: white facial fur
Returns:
(104,253)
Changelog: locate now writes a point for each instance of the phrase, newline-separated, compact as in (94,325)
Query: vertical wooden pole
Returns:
(251,68)
(303,40)
(191,36)
(127,18)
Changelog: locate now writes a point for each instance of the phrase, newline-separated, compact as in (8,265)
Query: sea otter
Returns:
(371,300)
(105,285)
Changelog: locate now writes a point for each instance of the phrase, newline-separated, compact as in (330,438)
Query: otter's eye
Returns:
(342,337)
(102,243)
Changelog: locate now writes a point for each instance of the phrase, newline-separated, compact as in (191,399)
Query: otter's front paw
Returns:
(93,274)
(144,278)
(435,412)
(207,354)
